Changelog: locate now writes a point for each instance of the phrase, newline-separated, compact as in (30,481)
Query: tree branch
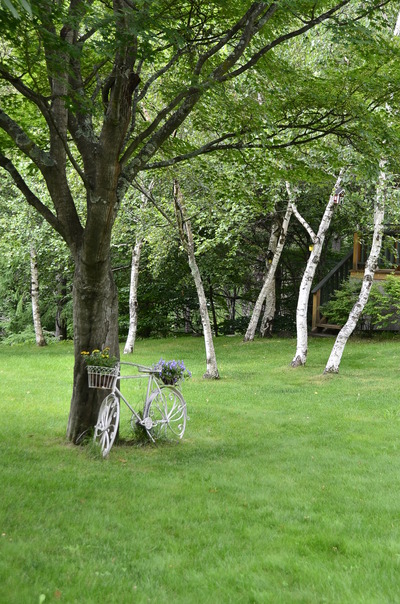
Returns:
(149,195)
(42,160)
(31,198)
(299,139)
(37,99)
(304,223)
(283,38)
(153,126)
(251,14)
(160,73)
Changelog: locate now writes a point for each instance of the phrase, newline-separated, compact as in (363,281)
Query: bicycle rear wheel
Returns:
(166,408)
(106,428)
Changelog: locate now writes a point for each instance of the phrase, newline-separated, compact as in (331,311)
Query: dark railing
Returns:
(325,288)
(388,259)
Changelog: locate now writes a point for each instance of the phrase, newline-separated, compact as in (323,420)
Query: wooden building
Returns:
(352,265)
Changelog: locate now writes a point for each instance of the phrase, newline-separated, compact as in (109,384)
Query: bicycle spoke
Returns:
(107,424)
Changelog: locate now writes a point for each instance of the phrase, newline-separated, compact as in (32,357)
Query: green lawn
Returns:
(286,487)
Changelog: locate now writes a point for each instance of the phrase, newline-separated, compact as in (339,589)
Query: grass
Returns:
(285,488)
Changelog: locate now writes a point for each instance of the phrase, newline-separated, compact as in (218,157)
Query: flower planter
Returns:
(168,382)
(102,377)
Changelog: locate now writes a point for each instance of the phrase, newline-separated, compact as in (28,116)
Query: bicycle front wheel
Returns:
(106,428)
(166,408)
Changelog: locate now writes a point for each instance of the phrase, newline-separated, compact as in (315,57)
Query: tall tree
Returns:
(133,288)
(37,321)
(335,357)
(269,283)
(77,79)
(317,239)
(186,237)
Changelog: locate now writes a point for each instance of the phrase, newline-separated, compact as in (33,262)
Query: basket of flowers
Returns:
(102,368)
(171,372)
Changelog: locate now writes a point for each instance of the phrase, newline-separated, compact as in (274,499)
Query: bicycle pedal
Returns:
(147,423)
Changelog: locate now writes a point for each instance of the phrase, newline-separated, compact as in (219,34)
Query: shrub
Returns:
(382,310)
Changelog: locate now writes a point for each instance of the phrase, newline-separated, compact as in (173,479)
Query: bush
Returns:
(382,310)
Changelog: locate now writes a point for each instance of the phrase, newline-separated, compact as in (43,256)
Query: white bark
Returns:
(269,282)
(186,236)
(133,304)
(304,223)
(269,310)
(133,288)
(305,287)
(37,323)
(397,28)
(333,363)
(270,297)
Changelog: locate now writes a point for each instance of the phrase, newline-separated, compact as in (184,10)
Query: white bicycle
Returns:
(164,410)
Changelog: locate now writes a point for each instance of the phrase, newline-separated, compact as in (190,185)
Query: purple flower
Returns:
(171,372)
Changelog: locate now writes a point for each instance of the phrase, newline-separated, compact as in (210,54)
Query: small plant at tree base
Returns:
(99,358)
(172,372)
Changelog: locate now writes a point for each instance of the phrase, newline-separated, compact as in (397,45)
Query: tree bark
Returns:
(270,296)
(186,236)
(269,311)
(95,303)
(300,357)
(335,357)
(61,323)
(269,280)
(214,314)
(37,322)
(133,303)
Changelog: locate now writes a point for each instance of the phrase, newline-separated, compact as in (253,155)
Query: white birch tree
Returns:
(267,292)
(133,303)
(186,237)
(269,311)
(37,321)
(335,357)
(270,297)
(134,277)
(318,239)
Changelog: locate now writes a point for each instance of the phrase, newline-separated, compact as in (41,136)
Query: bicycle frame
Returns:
(152,386)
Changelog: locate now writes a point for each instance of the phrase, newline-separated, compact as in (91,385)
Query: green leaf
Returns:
(10,7)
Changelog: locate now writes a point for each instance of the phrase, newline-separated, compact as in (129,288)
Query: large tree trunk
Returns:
(95,304)
(186,236)
(37,322)
(133,303)
(305,287)
(335,357)
(270,278)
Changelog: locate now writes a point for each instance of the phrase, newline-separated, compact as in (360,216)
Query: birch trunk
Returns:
(305,287)
(37,322)
(269,311)
(186,236)
(133,303)
(333,363)
(270,278)
(270,305)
